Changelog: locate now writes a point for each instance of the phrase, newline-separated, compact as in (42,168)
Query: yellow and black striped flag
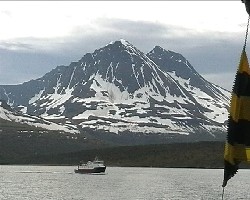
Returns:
(237,147)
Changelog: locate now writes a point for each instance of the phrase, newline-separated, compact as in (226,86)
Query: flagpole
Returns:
(246,36)
(222,196)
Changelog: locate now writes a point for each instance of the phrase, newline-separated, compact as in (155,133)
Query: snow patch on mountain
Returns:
(33,121)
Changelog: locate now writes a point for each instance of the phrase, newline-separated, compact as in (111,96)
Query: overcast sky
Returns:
(37,36)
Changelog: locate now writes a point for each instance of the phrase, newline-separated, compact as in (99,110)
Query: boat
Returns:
(96,166)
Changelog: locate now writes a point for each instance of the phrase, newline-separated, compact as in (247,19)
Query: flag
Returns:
(237,147)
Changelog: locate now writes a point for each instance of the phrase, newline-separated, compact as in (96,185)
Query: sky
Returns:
(37,36)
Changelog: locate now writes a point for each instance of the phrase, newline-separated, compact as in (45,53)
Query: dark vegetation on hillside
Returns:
(21,144)
(20,140)
(200,155)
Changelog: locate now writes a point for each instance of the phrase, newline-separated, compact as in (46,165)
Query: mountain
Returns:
(120,94)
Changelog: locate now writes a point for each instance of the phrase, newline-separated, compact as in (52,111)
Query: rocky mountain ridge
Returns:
(119,89)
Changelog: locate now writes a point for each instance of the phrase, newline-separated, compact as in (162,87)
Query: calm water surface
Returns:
(119,183)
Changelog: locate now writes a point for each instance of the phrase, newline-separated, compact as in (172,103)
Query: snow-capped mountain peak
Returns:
(122,41)
(118,89)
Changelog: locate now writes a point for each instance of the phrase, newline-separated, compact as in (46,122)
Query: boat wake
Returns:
(43,172)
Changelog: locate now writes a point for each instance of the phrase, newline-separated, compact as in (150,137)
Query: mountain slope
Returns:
(119,89)
(10,116)
(177,65)
(203,93)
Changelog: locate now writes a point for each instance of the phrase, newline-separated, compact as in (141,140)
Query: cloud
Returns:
(15,46)
(209,52)
(18,66)
(225,80)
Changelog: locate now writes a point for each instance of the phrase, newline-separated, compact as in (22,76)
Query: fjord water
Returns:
(119,183)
